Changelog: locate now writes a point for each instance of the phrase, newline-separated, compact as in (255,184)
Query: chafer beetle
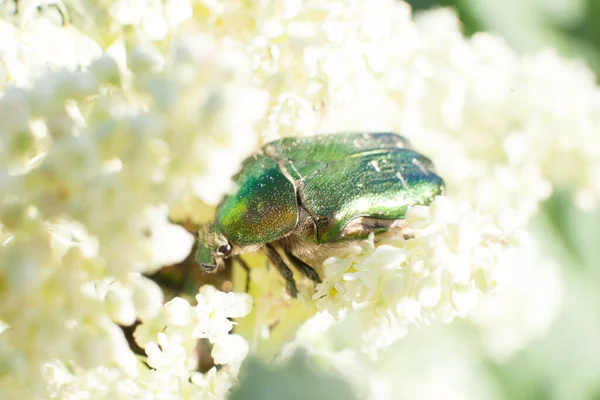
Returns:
(303,197)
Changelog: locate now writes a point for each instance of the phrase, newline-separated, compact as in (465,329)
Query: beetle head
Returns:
(212,247)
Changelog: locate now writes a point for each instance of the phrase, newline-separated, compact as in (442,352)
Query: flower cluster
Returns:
(36,40)
(96,159)
(170,340)
(118,117)
(494,122)
(499,119)
(439,272)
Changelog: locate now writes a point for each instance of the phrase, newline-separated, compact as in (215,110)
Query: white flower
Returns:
(169,243)
(171,356)
(149,329)
(231,350)
(439,273)
(178,312)
(491,120)
(98,155)
(153,18)
(120,305)
(180,325)
(147,297)
(90,158)
(215,309)
(215,384)
(168,354)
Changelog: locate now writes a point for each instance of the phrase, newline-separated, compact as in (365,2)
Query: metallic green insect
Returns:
(302,198)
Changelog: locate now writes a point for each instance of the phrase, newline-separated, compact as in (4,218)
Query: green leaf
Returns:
(297,380)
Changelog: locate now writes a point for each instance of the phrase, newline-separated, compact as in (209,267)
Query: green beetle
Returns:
(304,197)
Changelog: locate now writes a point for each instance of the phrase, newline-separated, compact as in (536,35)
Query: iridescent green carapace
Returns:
(298,199)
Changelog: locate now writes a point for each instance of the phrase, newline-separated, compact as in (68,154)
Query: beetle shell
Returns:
(264,206)
(335,179)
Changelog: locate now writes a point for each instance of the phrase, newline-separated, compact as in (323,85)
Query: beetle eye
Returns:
(224,250)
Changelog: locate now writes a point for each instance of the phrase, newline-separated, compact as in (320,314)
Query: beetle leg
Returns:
(303,267)
(290,283)
(243,264)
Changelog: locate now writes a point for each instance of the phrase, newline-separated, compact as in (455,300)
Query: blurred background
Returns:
(558,356)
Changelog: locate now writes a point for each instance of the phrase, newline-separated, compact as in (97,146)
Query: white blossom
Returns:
(214,310)
(492,121)
(232,350)
(147,297)
(32,47)
(91,161)
(438,273)
(170,356)
(118,118)
(216,384)
(178,312)
(153,19)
